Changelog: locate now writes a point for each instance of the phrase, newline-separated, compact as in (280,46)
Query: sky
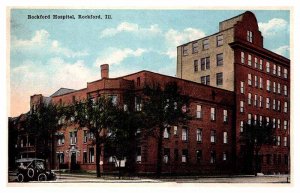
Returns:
(47,54)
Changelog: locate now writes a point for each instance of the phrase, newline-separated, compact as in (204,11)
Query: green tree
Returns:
(96,115)
(163,106)
(43,123)
(254,136)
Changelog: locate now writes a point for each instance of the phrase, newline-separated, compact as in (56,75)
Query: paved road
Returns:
(73,178)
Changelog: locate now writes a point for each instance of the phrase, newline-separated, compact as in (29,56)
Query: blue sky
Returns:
(49,54)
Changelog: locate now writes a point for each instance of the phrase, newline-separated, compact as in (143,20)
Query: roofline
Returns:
(180,79)
(69,92)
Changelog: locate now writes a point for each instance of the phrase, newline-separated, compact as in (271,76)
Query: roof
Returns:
(62,91)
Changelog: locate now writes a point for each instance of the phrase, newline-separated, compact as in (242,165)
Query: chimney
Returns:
(104,71)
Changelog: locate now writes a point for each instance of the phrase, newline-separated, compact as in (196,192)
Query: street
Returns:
(91,178)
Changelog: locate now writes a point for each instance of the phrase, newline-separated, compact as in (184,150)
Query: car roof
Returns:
(28,160)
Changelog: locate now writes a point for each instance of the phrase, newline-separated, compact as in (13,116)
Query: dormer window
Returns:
(250,36)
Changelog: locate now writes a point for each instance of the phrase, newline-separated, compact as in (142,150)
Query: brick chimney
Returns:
(104,71)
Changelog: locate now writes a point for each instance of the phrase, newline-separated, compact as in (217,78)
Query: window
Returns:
(278,141)
(268,103)
(213,114)
(274,69)
(267,121)
(285,90)
(249,118)
(213,157)
(199,135)
(249,60)
(268,85)
(138,103)
(219,77)
(278,105)
(205,80)
(195,65)
(249,98)
(268,67)
(85,136)
(185,50)
(114,99)
(213,136)
(195,47)
(242,87)
(242,126)
(285,73)
(255,81)
(260,101)
(60,157)
(167,132)
(220,59)
(260,83)
(184,157)
(285,107)
(274,104)
(199,111)
(225,137)
(278,88)
(184,135)
(138,81)
(286,159)
(249,36)
(260,64)
(255,63)
(199,155)
(220,40)
(241,106)
(255,100)
(175,129)
(274,87)
(73,138)
(278,71)
(285,124)
(166,155)
(125,107)
(139,154)
(285,141)
(249,79)
(205,63)
(205,44)
(242,57)
(91,155)
(225,116)
(224,156)
(260,120)
(278,123)
(255,119)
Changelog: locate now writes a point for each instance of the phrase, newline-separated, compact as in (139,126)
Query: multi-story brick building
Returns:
(234,59)
(229,77)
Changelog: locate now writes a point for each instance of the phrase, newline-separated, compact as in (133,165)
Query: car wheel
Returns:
(30,172)
(42,177)
(20,178)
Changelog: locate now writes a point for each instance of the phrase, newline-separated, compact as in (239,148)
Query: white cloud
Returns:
(130,27)
(175,38)
(282,50)
(42,41)
(33,77)
(273,26)
(116,56)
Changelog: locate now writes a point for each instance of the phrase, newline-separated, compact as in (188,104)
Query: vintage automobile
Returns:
(33,169)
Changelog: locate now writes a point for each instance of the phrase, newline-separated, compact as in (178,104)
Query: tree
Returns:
(12,141)
(254,136)
(43,123)
(96,115)
(123,139)
(163,106)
